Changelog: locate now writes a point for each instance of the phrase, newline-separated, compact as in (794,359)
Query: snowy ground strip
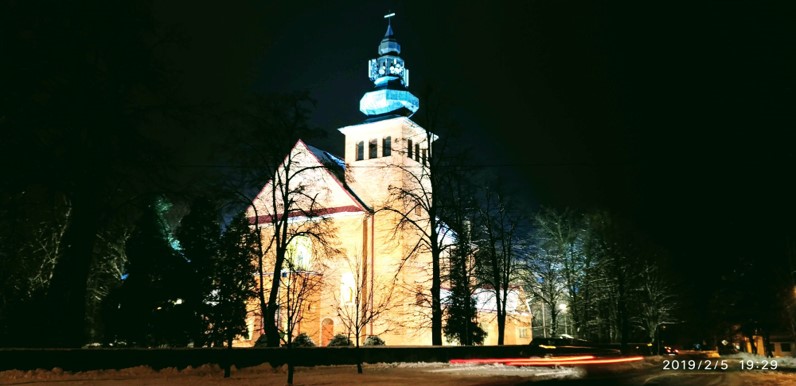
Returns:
(487,370)
(501,369)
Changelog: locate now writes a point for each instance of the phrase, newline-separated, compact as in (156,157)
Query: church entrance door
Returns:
(327,331)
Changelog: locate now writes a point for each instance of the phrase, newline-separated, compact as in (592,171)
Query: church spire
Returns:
(390,79)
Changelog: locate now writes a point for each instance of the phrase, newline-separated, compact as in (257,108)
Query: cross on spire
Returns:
(390,78)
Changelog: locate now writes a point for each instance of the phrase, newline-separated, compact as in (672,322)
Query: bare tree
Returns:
(560,259)
(789,299)
(419,214)
(361,303)
(419,202)
(30,245)
(264,143)
(289,208)
(656,299)
(303,284)
(498,248)
(614,245)
(543,279)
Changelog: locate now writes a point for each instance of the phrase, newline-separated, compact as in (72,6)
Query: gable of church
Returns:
(316,190)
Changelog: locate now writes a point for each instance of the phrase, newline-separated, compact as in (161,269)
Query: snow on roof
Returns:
(336,166)
(485,299)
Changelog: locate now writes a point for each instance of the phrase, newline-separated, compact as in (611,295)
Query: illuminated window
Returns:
(299,252)
(373,151)
(386,146)
(417,152)
(360,150)
(409,149)
(347,287)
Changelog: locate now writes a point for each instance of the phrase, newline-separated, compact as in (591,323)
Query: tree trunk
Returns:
(501,319)
(271,329)
(261,273)
(436,304)
(624,324)
(359,358)
(467,339)
(553,320)
(228,359)
(66,298)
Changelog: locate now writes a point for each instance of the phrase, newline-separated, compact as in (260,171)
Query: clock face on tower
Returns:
(388,66)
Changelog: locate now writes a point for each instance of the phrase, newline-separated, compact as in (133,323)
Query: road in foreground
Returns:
(649,372)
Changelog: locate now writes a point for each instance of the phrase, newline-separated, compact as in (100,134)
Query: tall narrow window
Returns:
(373,151)
(409,149)
(386,146)
(424,156)
(417,152)
(360,150)
(299,253)
(347,288)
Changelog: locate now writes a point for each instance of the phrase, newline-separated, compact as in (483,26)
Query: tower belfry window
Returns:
(409,149)
(360,150)
(373,151)
(386,146)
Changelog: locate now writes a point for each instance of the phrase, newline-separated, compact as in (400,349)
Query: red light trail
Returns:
(552,361)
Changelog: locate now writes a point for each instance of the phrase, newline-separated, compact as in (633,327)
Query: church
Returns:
(355,254)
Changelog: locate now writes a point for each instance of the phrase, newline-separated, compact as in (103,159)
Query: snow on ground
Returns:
(415,374)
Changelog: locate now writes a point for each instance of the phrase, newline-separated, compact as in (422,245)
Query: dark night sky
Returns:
(678,115)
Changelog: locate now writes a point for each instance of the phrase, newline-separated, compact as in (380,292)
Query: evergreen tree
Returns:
(460,324)
(149,308)
(234,282)
(200,237)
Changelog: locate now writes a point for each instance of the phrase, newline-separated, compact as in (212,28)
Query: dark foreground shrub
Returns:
(340,340)
(303,340)
(374,340)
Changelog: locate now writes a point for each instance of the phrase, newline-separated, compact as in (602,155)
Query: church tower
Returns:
(387,154)
(387,144)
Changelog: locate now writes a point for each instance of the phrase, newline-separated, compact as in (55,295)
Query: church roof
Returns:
(326,183)
(336,167)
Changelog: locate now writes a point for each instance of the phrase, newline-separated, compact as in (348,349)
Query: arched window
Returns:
(327,331)
(347,288)
(373,151)
(299,253)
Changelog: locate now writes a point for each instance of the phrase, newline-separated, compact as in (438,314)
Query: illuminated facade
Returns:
(367,261)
